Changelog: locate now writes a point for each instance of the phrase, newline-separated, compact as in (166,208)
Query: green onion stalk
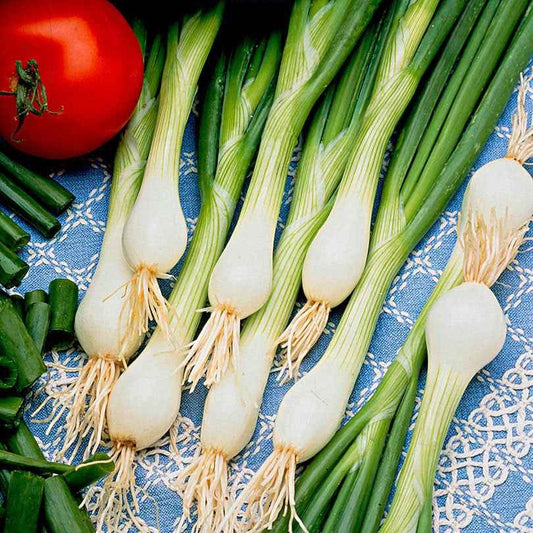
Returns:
(329,277)
(231,409)
(99,324)
(155,234)
(232,117)
(320,37)
(484,88)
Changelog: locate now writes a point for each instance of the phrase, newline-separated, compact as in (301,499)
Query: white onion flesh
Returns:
(146,399)
(337,256)
(242,278)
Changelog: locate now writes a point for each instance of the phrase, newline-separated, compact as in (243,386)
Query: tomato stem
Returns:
(29,92)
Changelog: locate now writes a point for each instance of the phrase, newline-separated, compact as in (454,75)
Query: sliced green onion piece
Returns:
(31,297)
(37,320)
(24,500)
(63,300)
(18,303)
(10,411)
(11,234)
(8,373)
(12,268)
(16,343)
(47,191)
(61,511)
(27,207)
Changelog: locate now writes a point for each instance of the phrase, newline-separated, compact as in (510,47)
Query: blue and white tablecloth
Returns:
(484,482)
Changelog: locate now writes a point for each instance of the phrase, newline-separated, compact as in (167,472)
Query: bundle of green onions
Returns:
(360,459)
(146,399)
(232,406)
(313,408)
(320,37)
(100,322)
(36,199)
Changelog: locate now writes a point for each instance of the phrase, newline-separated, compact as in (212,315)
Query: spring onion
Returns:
(12,268)
(99,324)
(27,207)
(12,235)
(46,191)
(228,139)
(338,254)
(320,37)
(24,499)
(231,410)
(63,302)
(465,327)
(155,233)
(16,343)
(505,195)
(312,410)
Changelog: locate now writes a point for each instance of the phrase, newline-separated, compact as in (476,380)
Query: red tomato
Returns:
(90,63)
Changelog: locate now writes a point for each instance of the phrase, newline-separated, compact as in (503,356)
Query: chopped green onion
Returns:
(18,303)
(45,190)
(61,511)
(63,300)
(27,207)
(37,320)
(8,374)
(10,411)
(16,343)
(24,499)
(31,297)
(11,234)
(12,268)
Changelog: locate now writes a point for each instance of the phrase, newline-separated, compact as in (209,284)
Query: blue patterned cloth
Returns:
(485,474)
